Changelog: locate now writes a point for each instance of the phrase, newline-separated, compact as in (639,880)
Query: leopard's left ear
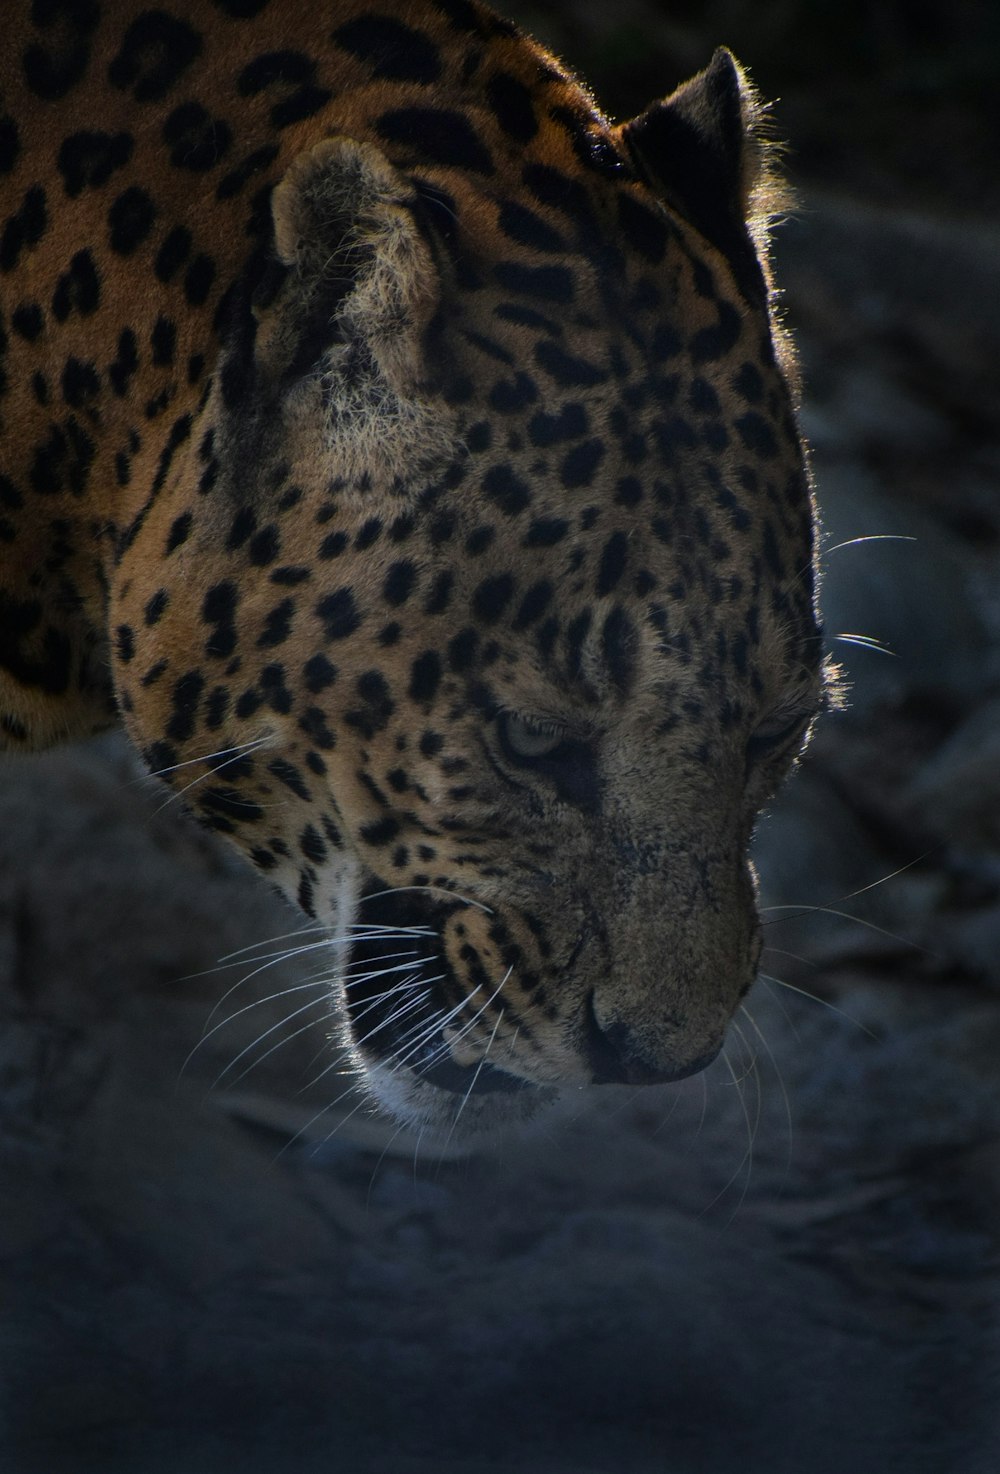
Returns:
(702,151)
(344,225)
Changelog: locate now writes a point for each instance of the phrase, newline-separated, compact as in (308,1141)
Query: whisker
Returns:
(472,1082)
(844,916)
(823,1002)
(865,642)
(296,1013)
(295,1034)
(870,537)
(237,751)
(778,1075)
(257,1003)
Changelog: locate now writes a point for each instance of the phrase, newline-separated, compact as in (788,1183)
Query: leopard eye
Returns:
(525,739)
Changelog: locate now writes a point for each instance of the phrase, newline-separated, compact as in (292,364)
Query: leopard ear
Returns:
(702,151)
(360,273)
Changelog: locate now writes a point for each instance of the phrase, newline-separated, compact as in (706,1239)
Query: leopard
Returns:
(407,456)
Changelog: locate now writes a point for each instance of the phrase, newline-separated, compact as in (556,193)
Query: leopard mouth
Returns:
(401,996)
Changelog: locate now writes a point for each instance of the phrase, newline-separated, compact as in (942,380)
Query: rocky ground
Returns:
(798,1271)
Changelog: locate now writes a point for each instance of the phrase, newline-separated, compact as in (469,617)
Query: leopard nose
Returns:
(616,1059)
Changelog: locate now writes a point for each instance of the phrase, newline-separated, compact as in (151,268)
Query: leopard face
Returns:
(469,590)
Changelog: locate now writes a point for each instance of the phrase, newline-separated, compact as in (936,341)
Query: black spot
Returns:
(179,432)
(10,145)
(25,228)
(567,369)
(277,625)
(124,643)
(289,775)
(318,674)
(28,321)
(628,492)
(580,464)
(291,575)
(54,64)
(313,845)
(163,341)
(198,279)
(218,608)
(711,344)
(265,546)
(216,709)
(612,564)
(545,532)
(78,289)
(156,51)
(547,429)
(185,701)
(230,184)
(333,545)
(510,493)
(479,540)
(462,649)
(313,722)
(381,831)
(748,383)
(442,528)
(80,382)
(173,253)
(180,531)
(479,437)
(240,9)
(295,73)
(339,614)
(644,231)
(522,225)
(87,159)
(391,49)
(545,283)
(125,365)
(511,102)
(243,525)
(534,604)
(492,597)
(617,644)
(440,594)
(274,689)
(63,460)
(368,534)
(438,136)
(425,676)
(757,435)
(224,807)
(130,220)
(196,140)
(399,582)
(510,396)
(155,607)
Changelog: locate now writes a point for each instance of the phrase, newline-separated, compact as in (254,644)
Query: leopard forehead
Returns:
(368,394)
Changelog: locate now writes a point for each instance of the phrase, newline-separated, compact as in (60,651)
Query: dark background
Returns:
(792,1265)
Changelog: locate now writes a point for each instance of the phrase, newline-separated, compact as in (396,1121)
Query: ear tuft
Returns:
(703,150)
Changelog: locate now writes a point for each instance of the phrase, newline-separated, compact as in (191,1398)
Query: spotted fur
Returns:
(407,455)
